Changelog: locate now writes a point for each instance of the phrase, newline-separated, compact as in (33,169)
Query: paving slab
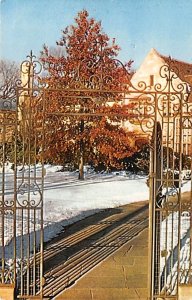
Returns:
(122,276)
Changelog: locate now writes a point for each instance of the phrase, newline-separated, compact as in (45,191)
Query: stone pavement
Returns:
(122,276)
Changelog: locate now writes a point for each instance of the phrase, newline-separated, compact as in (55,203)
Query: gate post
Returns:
(155,179)
(150,235)
(7,291)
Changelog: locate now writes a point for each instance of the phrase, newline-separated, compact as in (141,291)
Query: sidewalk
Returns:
(122,276)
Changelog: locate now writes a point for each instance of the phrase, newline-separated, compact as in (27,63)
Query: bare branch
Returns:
(9,74)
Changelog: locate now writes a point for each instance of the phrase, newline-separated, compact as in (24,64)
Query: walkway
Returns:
(122,276)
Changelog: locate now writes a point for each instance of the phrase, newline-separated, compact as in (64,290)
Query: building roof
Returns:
(152,64)
(184,68)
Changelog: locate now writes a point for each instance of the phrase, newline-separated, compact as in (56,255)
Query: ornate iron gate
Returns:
(21,205)
(168,114)
(161,111)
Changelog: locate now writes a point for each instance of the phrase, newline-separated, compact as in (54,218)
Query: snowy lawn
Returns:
(67,199)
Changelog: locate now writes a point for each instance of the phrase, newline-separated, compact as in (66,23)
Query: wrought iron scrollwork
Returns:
(29,195)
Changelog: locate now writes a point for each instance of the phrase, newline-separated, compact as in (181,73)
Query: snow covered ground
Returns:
(67,199)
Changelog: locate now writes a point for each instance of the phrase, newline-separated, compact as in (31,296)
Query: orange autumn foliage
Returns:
(83,102)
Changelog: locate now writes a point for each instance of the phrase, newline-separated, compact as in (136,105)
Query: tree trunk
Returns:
(81,159)
(81,163)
